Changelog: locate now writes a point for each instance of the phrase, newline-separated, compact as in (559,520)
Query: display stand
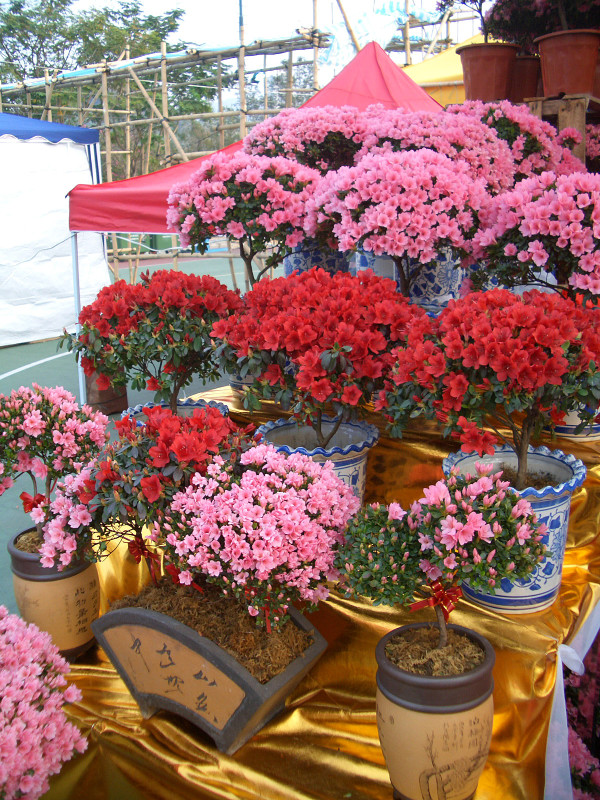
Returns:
(569,111)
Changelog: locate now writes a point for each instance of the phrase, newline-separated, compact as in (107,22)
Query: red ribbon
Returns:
(29,502)
(172,570)
(446,598)
(138,549)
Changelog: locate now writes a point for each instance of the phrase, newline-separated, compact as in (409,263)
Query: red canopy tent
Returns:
(139,205)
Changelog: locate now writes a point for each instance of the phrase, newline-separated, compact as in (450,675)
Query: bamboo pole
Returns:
(165,99)
(128,125)
(289,92)
(348,27)
(220,102)
(407,53)
(315,49)
(242,76)
(164,122)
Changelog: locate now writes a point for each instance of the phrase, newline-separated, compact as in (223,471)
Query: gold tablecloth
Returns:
(325,745)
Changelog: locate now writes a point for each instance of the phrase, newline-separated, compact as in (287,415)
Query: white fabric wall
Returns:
(36,276)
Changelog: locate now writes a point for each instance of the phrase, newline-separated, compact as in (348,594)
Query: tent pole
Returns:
(77,298)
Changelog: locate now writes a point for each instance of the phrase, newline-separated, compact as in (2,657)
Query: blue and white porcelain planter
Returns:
(552,505)
(437,282)
(185,408)
(566,430)
(348,449)
(301,259)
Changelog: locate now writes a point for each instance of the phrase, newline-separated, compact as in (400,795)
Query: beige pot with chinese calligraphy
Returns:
(435,732)
(62,603)
(167,665)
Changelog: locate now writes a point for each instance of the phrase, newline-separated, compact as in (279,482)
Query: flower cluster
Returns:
(257,200)
(500,359)
(35,736)
(592,142)
(46,435)
(533,142)
(407,205)
(323,138)
(549,223)
(265,533)
(461,137)
(582,695)
(315,340)
(465,528)
(155,334)
(519,22)
(130,484)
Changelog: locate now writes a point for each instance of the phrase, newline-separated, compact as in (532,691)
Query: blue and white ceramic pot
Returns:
(552,505)
(348,449)
(185,408)
(437,282)
(303,258)
(591,432)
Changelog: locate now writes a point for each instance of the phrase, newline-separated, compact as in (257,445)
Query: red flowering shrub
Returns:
(155,334)
(316,340)
(494,358)
(132,482)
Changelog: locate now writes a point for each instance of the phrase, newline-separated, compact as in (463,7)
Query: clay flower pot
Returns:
(487,70)
(435,732)
(569,61)
(167,665)
(62,603)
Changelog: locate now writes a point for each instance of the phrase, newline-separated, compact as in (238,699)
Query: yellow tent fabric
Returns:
(441,75)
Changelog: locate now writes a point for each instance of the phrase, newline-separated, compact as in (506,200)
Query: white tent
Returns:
(40,162)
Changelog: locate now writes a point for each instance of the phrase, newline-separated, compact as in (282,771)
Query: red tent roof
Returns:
(139,205)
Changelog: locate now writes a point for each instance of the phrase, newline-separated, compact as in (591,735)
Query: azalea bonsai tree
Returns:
(465,528)
(544,233)
(265,531)
(496,367)
(129,485)
(534,143)
(316,342)
(256,201)
(409,206)
(322,138)
(462,137)
(47,436)
(155,333)
(36,737)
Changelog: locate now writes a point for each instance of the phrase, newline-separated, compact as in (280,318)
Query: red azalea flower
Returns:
(151,488)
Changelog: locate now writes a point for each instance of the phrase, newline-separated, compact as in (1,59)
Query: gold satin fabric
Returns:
(325,745)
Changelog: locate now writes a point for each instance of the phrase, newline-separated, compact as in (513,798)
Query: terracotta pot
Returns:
(525,79)
(487,70)
(167,665)
(435,732)
(62,603)
(569,61)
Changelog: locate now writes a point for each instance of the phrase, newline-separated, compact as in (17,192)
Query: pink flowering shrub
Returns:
(266,533)
(592,143)
(582,695)
(322,138)
(548,222)
(465,528)
(461,137)
(408,205)
(534,143)
(35,736)
(497,360)
(46,435)
(257,201)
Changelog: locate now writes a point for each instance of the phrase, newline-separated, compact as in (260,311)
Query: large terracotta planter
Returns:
(525,79)
(167,665)
(569,61)
(487,70)
(62,603)
(552,505)
(348,450)
(435,732)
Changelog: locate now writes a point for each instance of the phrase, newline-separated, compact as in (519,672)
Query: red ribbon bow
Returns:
(172,570)
(138,549)
(29,502)
(446,598)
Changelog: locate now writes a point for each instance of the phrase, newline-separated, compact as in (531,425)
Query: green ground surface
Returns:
(45,364)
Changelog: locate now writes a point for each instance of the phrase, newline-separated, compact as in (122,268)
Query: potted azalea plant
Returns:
(155,333)
(119,495)
(256,201)
(411,206)
(494,368)
(44,437)
(319,344)
(36,737)
(243,542)
(543,233)
(465,529)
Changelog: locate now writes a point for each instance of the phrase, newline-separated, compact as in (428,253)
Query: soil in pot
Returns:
(222,620)
(417,651)
(29,542)
(535,480)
